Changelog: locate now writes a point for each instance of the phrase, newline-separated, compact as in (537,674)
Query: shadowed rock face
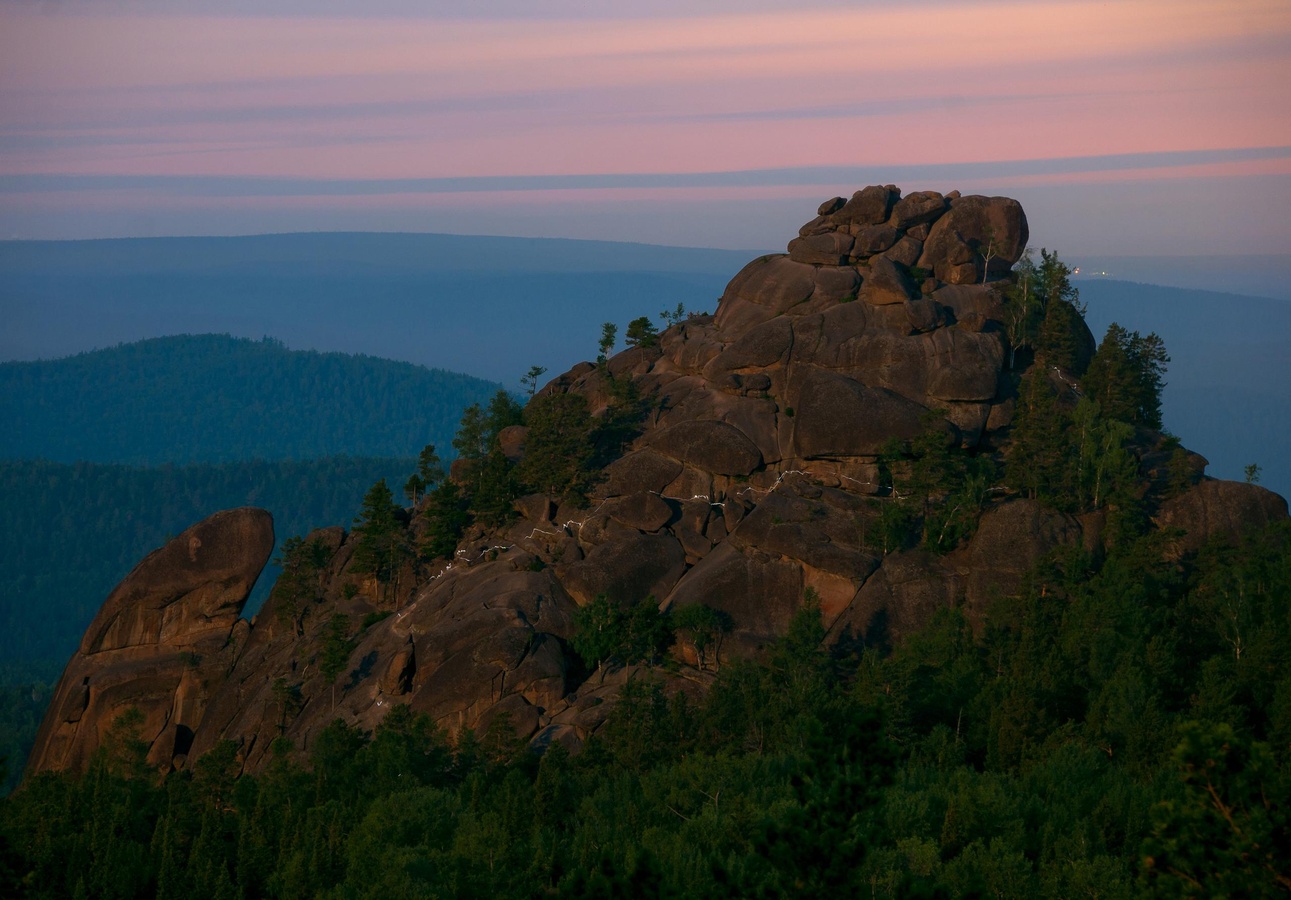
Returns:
(754,480)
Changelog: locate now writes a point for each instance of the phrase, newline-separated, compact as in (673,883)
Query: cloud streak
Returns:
(799,176)
(287,99)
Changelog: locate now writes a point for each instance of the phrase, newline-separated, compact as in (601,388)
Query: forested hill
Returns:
(216,398)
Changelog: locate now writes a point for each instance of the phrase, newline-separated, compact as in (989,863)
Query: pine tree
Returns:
(641,333)
(1127,375)
(558,446)
(382,545)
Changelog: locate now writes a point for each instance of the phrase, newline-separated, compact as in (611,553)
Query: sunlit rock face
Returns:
(754,481)
(162,643)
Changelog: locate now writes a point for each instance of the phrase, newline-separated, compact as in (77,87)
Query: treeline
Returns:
(215,398)
(1103,736)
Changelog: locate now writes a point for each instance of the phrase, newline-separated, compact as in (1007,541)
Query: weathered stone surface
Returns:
(714,446)
(174,613)
(760,347)
(899,598)
(641,470)
(1010,540)
(917,209)
(905,252)
(512,440)
(974,228)
(1214,509)
(758,593)
(836,416)
(868,206)
(643,511)
(925,315)
(829,249)
(771,285)
(886,284)
(627,570)
(831,206)
(874,239)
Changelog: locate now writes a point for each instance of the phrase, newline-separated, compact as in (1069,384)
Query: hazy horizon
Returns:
(1145,128)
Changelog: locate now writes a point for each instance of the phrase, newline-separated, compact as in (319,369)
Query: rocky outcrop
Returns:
(162,643)
(754,483)
(1221,510)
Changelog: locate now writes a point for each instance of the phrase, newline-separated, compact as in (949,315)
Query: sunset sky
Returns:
(1146,127)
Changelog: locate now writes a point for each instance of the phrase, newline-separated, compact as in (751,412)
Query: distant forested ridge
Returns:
(215,398)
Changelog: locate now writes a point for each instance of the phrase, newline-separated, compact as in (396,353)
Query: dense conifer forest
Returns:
(1120,730)
(215,398)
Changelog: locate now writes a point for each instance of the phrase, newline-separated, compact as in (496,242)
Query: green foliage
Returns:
(300,582)
(558,447)
(1127,375)
(1061,315)
(1074,459)
(641,333)
(334,654)
(382,544)
(937,491)
(1228,832)
(621,421)
(673,316)
(152,403)
(609,334)
(605,631)
(529,381)
(488,478)
(430,472)
(446,517)
(1029,755)
(704,627)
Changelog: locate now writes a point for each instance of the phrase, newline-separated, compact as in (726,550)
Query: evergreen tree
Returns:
(558,446)
(382,545)
(298,585)
(609,334)
(1127,375)
(446,518)
(335,652)
(641,333)
(1038,452)
(530,379)
(1062,315)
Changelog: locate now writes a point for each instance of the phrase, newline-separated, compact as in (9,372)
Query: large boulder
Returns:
(977,236)
(1218,510)
(157,642)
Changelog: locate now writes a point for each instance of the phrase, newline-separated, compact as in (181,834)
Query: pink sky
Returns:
(175,99)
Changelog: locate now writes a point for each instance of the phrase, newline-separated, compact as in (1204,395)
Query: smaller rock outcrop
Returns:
(958,240)
(163,637)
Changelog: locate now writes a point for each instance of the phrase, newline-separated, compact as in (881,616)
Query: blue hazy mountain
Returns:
(488,306)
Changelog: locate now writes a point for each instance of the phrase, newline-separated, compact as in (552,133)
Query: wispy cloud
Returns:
(221,186)
(298,98)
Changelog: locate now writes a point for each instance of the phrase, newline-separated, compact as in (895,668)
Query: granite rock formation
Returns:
(163,643)
(754,480)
